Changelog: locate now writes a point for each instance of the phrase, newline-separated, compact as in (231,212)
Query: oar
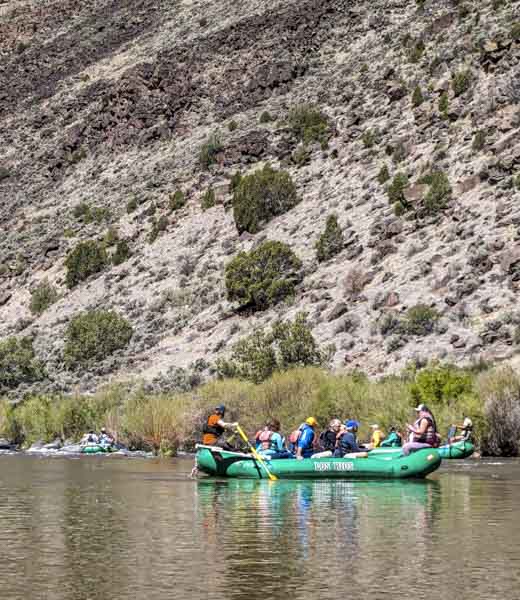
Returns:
(257,456)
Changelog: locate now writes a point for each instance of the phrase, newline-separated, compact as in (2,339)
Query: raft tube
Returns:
(95,449)
(222,463)
(456,450)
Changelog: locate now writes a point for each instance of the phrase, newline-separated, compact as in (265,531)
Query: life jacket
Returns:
(430,436)
(212,430)
(327,440)
(264,438)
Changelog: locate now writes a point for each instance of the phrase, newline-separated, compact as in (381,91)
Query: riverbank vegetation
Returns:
(168,422)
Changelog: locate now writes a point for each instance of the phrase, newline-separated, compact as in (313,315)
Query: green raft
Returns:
(456,450)
(222,463)
(96,449)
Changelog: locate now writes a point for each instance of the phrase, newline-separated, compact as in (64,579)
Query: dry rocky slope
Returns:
(109,102)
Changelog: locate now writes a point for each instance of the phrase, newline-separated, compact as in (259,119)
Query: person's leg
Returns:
(413,446)
(324,454)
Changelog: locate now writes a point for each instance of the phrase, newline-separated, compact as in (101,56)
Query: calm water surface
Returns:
(101,527)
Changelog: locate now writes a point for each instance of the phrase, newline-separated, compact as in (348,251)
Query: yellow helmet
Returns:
(311,421)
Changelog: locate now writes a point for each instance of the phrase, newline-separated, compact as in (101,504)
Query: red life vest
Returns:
(264,438)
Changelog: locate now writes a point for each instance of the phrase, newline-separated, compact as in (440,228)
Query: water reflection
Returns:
(88,529)
(293,528)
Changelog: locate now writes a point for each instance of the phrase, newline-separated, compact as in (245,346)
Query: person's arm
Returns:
(225,425)
(303,442)
(423,427)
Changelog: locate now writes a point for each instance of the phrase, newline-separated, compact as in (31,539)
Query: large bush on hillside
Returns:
(94,335)
(288,344)
(86,259)
(262,277)
(260,196)
(18,363)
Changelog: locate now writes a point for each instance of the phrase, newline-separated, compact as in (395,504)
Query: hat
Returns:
(421,407)
(220,408)
(351,424)
(374,426)
(311,421)
(103,430)
(467,423)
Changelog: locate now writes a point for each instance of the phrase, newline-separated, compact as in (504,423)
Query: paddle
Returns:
(257,456)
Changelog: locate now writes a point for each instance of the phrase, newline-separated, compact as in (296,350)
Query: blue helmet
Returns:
(221,409)
(351,424)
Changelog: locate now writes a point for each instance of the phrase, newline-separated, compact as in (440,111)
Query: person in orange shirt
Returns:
(215,427)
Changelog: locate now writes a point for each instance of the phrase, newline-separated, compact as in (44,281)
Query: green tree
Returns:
(331,241)
(262,277)
(86,259)
(260,196)
(92,336)
(18,363)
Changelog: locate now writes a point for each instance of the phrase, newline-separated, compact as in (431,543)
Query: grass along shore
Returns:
(166,423)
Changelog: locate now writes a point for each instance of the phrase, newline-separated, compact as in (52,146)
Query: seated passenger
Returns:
(347,441)
(105,438)
(270,443)
(393,439)
(304,442)
(328,439)
(89,438)
(466,430)
(377,436)
(215,427)
(423,433)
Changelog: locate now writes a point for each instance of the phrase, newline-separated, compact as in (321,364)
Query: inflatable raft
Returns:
(222,463)
(456,450)
(96,449)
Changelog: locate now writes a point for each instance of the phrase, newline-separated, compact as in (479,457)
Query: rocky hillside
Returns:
(110,107)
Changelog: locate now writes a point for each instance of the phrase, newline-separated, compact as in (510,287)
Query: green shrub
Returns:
(419,320)
(18,363)
(90,214)
(479,141)
(260,196)
(417,97)
(232,126)
(331,241)
(131,205)
(439,193)
(516,182)
(208,199)
(396,189)
(110,237)
(384,175)
(177,200)
(262,277)
(210,149)
(515,31)
(159,226)
(86,259)
(461,82)
(287,345)
(265,117)
(416,52)
(122,253)
(92,336)
(441,384)
(42,297)
(301,156)
(369,138)
(444,104)
(309,124)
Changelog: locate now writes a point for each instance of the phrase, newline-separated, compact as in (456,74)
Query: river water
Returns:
(106,527)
